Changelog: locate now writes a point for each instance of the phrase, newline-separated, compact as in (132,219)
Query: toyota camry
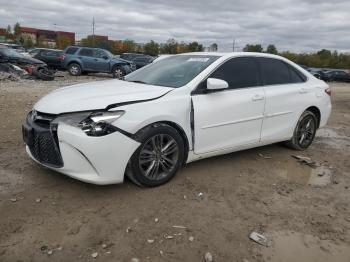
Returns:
(180,109)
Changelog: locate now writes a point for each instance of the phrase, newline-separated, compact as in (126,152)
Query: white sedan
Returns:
(180,109)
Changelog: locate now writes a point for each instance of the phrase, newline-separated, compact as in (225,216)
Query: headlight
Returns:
(93,124)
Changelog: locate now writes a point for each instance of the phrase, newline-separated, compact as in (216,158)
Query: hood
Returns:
(97,95)
(26,60)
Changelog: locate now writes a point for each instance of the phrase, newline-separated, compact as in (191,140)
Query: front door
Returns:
(232,117)
(101,61)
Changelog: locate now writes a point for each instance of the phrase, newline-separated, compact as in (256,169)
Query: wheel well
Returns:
(317,113)
(74,62)
(179,130)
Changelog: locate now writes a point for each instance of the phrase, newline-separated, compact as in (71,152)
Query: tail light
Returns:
(62,57)
(29,68)
(328,91)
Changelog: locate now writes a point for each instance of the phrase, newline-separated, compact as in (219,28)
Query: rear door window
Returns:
(71,50)
(277,72)
(86,52)
(240,72)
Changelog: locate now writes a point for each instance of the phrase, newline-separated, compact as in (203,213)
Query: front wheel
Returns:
(304,131)
(159,156)
(118,72)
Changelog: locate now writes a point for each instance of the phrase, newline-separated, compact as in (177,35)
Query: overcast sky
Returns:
(296,25)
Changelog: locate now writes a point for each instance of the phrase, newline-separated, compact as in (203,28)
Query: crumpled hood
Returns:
(96,95)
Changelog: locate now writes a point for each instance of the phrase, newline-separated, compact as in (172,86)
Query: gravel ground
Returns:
(304,212)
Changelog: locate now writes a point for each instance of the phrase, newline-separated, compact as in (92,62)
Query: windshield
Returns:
(174,71)
(109,54)
(10,53)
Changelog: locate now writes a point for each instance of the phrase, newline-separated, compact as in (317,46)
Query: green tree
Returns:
(17,32)
(170,47)
(129,46)
(271,49)
(324,54)
(62,42)
(9,34)
(195,47)
(213,47)
(151,48)
(253,48)
(28,42)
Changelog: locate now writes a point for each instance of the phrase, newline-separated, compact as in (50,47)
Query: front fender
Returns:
(165,109)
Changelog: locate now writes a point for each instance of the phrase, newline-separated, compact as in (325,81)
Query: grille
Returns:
(45,150)
(42,140)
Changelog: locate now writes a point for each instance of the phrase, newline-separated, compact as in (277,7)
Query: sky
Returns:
(295,25)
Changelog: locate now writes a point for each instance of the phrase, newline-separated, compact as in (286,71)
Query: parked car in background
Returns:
(52,57)
(326,75)
(16,47)
(142,61)
(180,109)
(340,75)
(130,56)
(14,57)
(78,60)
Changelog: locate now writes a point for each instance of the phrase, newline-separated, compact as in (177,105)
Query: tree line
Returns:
(323,59)
(151,48)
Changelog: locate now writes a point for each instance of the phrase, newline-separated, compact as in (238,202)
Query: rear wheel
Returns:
(159,156)
(74,69)
(304,132)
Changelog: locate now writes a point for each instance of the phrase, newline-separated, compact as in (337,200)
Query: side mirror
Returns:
(216,84)
(105,57)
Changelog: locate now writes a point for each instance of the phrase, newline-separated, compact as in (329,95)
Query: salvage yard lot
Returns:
(218,202)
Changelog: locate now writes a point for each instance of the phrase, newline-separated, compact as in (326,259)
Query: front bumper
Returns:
(97,160)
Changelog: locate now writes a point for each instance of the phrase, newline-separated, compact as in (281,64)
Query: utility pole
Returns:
(233,44)
(93,31)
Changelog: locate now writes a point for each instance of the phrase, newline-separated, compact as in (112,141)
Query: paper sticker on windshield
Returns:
(198,59)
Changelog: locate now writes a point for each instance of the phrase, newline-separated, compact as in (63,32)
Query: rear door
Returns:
(287,96)
(232,117)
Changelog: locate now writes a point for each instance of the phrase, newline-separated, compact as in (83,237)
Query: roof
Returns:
(235,54)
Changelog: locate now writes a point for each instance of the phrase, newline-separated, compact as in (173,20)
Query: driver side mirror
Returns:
(216,84)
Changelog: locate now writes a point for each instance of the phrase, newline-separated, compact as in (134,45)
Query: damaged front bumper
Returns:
(97,160)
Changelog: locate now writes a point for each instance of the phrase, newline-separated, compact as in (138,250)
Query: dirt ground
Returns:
(303,211)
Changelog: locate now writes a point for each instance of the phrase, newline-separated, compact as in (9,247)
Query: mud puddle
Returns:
(293,246)
(299,173)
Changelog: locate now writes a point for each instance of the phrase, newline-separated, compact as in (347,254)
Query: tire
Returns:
(149,166)
(304,132)
(74,69)
(44,73)
(118,72)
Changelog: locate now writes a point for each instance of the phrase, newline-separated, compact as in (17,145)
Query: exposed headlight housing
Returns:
(93,124)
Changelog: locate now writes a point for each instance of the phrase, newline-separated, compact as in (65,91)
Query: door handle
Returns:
(303,90)
(257,97)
